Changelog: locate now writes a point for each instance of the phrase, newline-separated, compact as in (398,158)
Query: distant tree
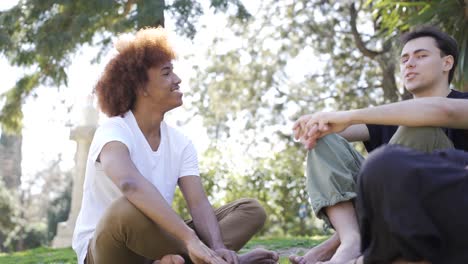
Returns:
(42,35)
(351,64)
(58,209)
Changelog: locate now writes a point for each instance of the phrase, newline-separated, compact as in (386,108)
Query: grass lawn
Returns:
(67,255)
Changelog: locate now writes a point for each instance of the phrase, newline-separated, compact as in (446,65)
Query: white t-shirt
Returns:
(176,157)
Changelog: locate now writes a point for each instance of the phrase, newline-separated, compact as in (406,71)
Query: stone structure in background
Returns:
(83,135)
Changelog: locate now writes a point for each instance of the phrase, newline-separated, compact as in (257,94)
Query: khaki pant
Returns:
(333,165)
(126,235)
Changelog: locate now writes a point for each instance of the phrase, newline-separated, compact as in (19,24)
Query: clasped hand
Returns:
(309,128)
(201,254)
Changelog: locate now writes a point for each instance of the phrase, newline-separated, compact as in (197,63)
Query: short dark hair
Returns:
(446,44)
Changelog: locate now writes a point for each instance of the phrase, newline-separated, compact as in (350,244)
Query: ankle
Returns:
(351,239)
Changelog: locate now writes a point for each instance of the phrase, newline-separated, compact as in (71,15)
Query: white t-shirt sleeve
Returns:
(110,131)
(189,166)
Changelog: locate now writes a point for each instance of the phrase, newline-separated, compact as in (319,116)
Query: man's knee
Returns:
(119,214)
(254,209)
(383,165)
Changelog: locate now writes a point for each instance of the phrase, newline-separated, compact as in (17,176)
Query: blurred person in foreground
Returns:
(134,164)
(435,119)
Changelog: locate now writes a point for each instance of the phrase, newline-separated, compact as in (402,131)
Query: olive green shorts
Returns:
(333,165)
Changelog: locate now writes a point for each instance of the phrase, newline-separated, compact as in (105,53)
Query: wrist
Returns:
(217,246)
(189,236)
(353,117)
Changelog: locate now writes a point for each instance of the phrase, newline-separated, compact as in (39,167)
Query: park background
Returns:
(248,69)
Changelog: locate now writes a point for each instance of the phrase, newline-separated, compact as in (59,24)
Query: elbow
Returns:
(446,112)
(451,114)
(128,186)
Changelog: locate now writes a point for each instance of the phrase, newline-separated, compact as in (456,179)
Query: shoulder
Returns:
(113,124)
(175,134)
(458,95)
(114,128)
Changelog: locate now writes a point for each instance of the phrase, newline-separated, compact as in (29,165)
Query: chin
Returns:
(414,90)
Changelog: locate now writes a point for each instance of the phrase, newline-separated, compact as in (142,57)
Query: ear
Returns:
(448,62)
(142,91)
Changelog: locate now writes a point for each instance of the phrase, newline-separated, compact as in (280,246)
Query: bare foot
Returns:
(322,252)
(170,259)
(259,256)
(347,251)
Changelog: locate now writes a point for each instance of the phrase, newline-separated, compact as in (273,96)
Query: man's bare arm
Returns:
(355,133)
(433,111)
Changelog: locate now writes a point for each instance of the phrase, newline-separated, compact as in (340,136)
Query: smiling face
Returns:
(423,68)
(162,90)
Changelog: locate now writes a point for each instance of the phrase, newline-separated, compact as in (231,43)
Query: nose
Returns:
(177,80)
(410,63)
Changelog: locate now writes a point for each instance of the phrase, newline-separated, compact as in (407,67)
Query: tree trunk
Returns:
(10,160)
(389,86)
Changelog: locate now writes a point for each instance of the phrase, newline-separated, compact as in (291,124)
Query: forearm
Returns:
(434,111)
(207,225)
(148,200)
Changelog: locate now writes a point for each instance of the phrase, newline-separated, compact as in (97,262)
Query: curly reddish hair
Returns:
(126,73)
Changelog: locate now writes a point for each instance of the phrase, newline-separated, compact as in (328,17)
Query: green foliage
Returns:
(7,209)
(450,15)
(58,211)
(41,36)
(26,236)
(248,98)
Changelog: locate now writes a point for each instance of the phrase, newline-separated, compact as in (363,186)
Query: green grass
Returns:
(278,243)
(40,256)
(67,255)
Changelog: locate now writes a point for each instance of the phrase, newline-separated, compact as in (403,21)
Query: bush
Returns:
(7,208)
(58,211)
(26,237)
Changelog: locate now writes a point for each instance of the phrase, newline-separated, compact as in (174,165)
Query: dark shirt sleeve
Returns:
(459,137)
(378,135)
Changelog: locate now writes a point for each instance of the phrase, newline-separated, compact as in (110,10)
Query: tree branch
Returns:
(357,37)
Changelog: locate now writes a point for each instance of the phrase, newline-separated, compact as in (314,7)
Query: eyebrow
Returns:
(416,51)
(167,68)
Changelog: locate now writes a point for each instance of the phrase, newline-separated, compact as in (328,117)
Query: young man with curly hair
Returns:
(436,119)
(135,162)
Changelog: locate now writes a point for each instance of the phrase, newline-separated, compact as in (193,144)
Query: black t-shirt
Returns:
(380,134)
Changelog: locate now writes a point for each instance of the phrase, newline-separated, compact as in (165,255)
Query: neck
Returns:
(440,89)
(148,121)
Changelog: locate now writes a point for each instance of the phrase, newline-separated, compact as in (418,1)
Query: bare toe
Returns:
(170,259)
(259,255)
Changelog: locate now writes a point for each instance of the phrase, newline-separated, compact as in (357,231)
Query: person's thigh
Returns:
(425,139)
(125,235)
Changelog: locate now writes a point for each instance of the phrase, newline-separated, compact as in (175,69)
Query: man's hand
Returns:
(228,255)
(309,128)
(199,253)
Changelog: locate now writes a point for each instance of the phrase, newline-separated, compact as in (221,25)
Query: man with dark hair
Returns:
(435,119)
